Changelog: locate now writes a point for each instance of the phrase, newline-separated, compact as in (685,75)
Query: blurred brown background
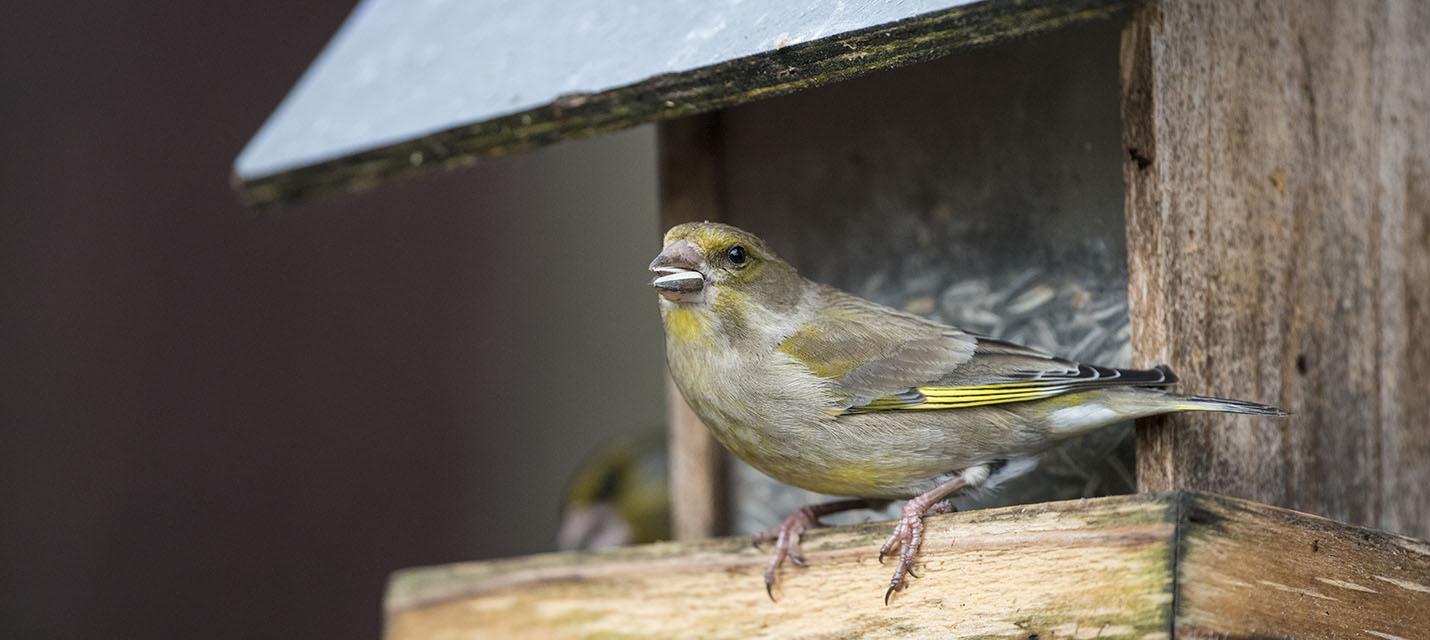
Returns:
(215,423)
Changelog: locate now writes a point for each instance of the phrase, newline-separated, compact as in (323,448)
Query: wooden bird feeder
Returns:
(1238,188)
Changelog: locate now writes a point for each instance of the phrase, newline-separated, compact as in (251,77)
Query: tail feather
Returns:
(1205,403)
(1169,377)
(1110,406)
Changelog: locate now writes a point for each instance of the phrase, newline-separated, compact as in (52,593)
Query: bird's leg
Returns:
(938,508)
(908,534)
(786,536)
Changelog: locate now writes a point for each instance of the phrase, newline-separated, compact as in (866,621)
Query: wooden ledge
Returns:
(1121,567)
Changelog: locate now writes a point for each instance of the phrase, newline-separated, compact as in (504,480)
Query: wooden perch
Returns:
(1141,566)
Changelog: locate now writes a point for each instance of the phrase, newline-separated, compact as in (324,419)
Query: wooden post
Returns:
(689,165)
(1140,566)
(1278,224)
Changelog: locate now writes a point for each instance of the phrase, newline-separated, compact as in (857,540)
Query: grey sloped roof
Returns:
(408,85)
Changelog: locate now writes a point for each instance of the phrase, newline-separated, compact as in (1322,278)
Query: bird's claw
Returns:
(786,537)
(893,542)
(907,538)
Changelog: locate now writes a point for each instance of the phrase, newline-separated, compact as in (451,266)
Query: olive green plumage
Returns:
(832,393)
(619,496)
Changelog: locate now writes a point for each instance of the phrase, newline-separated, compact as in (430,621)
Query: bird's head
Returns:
(712,264)
(618,497)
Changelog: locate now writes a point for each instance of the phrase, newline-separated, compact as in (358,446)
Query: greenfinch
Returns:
(620,496)
(838,395)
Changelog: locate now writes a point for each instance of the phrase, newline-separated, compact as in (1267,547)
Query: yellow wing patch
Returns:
(934,398)
(826,355)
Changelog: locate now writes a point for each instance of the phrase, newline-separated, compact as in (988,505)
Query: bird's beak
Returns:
(680,272)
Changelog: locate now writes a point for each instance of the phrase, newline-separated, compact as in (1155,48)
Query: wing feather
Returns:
(872,351)
(886,360)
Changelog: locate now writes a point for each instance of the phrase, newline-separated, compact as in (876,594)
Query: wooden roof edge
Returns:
(726,84)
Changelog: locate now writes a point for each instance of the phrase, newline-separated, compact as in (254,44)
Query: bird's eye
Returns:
(737,255)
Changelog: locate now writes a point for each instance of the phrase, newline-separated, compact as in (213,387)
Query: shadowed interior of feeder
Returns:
(983,190)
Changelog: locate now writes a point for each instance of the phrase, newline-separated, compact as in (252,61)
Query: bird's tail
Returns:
(1205,403)
(1103,407)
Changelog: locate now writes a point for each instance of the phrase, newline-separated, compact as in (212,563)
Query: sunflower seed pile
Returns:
(1072,312)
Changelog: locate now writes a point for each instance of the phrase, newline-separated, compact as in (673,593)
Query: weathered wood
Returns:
(1171,565)
(1066,569)
(1276,220)
(1248,570)
(690,190)
(737,81)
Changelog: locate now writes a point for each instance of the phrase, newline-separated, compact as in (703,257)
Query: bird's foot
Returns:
(908,537)
(786,536)
(786,539)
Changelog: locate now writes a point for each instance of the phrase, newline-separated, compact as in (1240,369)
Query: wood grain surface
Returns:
(1248,570)
(1069,569)
(1277,218)
(1178,565)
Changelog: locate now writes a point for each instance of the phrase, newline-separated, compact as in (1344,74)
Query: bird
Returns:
(829,392)
(619,496)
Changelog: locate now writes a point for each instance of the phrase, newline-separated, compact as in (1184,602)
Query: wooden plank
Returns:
(690,190)
(1276,218)
(1248,570)
(1404,276)
(1069,569)
(778,71)
(1144,566)
(698,495)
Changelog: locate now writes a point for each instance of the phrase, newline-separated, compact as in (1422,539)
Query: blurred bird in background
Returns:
(620,496)
(838,395)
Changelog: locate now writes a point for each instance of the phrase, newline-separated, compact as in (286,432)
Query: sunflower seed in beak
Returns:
(679,280)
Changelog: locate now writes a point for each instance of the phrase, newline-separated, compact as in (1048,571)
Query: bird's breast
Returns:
(764,408)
